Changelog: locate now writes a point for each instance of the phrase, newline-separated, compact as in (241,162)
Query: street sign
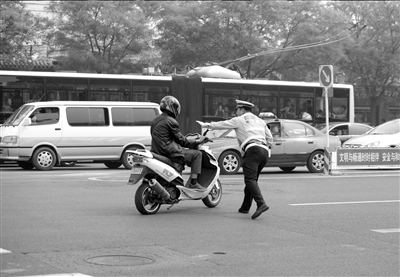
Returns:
(326,76)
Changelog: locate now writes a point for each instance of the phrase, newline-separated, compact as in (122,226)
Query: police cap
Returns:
(244,104)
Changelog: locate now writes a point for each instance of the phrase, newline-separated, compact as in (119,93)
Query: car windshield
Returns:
(17,117)
(387,128)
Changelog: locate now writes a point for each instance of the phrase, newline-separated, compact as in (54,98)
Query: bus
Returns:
(202,98)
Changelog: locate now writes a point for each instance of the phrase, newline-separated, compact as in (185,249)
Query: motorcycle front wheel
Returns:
(143,200)
(214,197)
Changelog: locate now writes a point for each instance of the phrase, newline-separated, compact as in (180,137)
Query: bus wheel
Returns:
(44,158)
(113,164)
(127,158)
(26,165)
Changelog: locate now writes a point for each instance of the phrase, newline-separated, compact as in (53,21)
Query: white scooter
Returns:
(163,184)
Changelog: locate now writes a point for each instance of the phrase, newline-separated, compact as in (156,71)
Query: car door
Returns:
(299,141)
(45,128)
(278,148)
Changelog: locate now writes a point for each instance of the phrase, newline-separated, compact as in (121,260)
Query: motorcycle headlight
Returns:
(373,144)
(10,139)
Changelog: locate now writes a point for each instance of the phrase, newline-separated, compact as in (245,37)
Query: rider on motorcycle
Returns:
(167,140)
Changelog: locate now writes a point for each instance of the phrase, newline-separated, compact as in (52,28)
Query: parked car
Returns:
(296,143)
(385,135)
(344,130)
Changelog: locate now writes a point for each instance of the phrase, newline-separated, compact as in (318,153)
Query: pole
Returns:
(327,116)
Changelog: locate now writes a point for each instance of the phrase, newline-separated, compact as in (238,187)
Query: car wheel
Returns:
(229,162)
(44,158)
(127,158)
(288,169)
(26,165)
(113,164)
(315,162)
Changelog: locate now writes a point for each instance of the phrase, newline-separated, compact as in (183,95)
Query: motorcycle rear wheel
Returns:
(143,200)
(214,197)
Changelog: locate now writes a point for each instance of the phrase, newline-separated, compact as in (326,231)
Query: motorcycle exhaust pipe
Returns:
(159,189)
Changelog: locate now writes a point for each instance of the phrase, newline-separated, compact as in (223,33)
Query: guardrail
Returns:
(361,158)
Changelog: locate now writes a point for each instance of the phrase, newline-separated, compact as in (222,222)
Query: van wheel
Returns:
(113,164)
(127,158)
(26,165)
(44,158)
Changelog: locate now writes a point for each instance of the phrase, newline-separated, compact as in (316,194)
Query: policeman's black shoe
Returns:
(259,211)
(243,211)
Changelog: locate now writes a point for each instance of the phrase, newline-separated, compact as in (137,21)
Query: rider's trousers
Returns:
(193,159)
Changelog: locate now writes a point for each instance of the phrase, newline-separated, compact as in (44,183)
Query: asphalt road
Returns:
(82,221)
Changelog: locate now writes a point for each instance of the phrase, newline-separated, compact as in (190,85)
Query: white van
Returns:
(45,134)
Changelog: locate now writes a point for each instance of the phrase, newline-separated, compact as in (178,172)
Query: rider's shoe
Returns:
(196,186)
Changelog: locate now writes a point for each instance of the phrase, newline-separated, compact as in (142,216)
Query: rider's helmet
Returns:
(171,104)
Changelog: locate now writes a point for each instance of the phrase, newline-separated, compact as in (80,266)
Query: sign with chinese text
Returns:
(368,156)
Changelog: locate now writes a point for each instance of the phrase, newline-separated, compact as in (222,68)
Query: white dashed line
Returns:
(344,203)
(62,275)
(387,231)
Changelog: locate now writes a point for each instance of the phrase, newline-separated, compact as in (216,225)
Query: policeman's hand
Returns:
(203,125)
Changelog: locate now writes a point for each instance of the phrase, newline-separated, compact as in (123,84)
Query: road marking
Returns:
(386,231)
(3,251)
(62,275)
(344,203)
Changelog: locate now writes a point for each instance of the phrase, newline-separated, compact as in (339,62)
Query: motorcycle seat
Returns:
(167,161)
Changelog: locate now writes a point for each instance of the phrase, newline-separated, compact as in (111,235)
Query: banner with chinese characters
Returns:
(368,156)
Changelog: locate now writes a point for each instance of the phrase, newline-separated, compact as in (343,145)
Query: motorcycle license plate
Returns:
(136,170)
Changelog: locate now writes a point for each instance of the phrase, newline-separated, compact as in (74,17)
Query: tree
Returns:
(373,57)
(18,30)
(101,36)
(219,32)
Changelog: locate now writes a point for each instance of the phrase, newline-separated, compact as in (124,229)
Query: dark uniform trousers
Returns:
(254,161)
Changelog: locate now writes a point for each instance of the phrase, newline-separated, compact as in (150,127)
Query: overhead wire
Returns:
(297,47)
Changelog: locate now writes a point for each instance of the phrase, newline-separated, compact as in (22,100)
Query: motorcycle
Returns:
(163,184)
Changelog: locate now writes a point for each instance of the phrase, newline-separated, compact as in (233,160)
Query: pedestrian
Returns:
(255,140)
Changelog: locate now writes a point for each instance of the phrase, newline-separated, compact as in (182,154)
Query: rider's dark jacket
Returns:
(167,139)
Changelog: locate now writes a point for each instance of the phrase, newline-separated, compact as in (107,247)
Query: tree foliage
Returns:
(372,58)
(101,36)
(18,30)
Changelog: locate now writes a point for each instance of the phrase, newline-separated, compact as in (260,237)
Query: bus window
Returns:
(109,89)
(71,89)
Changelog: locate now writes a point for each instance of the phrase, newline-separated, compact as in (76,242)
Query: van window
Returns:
(84,116)
(133,116)
(45,116)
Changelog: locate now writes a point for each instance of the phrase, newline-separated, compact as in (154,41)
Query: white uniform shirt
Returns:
(250,131)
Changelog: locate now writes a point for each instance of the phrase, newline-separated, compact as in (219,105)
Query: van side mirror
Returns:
(27,121)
